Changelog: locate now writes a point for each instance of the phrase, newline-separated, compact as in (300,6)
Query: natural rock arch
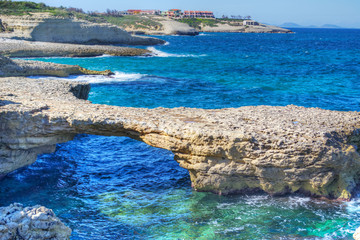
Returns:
(275,149)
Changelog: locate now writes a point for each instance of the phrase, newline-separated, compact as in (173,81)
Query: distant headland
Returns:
(18,17)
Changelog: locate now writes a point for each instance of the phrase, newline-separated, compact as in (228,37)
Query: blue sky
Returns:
(345,13)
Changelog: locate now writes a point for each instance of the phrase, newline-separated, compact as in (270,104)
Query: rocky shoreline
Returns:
(21,48)
(10,67)
(173,27)
(45,27)
(278,150)
(261,28)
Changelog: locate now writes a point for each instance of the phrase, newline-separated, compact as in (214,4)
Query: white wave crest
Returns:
(118,77)
(158,53)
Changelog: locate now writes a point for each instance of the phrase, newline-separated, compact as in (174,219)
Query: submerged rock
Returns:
(37,222)
(278,150)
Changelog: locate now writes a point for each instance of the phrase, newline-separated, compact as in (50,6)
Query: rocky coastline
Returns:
(278,150)
(261,28)
(173,27)
(45,27)
(17,222)
(168,27)
(10,67)
(21,48)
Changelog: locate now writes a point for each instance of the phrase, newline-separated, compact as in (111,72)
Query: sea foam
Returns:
(96,79)
(158,53)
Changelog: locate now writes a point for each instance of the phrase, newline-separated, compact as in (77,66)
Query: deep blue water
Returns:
(117,188)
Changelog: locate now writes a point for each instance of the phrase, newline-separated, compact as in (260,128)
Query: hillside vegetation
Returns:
(211,22)
(27,8)
(134,21)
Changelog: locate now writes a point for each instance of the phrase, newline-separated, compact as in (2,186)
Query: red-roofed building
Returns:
(143,12)
(134,11)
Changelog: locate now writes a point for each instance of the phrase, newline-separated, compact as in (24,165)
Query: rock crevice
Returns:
(278,150)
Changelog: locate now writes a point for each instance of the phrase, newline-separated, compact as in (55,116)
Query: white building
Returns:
(250,23)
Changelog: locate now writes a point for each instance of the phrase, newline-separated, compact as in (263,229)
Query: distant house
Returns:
(174,13)
(198,14)
(150,12)
(143,12)
(133,11)
(250,23)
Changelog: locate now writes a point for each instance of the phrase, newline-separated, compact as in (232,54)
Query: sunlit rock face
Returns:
(278,150)
(37,222)
(48,28)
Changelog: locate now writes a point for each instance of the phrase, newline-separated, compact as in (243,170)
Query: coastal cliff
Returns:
(48,28)
(158,25)
(278,150)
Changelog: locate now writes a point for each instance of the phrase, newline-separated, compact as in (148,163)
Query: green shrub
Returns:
(197,22)
(134,21)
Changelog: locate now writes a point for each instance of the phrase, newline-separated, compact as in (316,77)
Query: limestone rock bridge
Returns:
(278,150)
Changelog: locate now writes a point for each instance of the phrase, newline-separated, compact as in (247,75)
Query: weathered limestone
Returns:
(47,28)
(10,67)
(278,150)
(37,222)
(21,48)
(261,28)
(169,27)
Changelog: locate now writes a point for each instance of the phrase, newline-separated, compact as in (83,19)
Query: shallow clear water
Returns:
(117,188)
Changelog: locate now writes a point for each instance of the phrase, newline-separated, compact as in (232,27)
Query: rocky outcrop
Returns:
(47,28)
(37,222)
(21,48)
(168,27)
(261,28)
(10,67)
(278,150)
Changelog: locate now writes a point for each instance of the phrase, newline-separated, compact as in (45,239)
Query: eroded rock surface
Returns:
(47,28)
(278,150)
(21,48)
(168,27)
(37,222)
(261,28)
(18,67)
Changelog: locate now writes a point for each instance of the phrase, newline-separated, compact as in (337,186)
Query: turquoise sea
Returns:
(118,188)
